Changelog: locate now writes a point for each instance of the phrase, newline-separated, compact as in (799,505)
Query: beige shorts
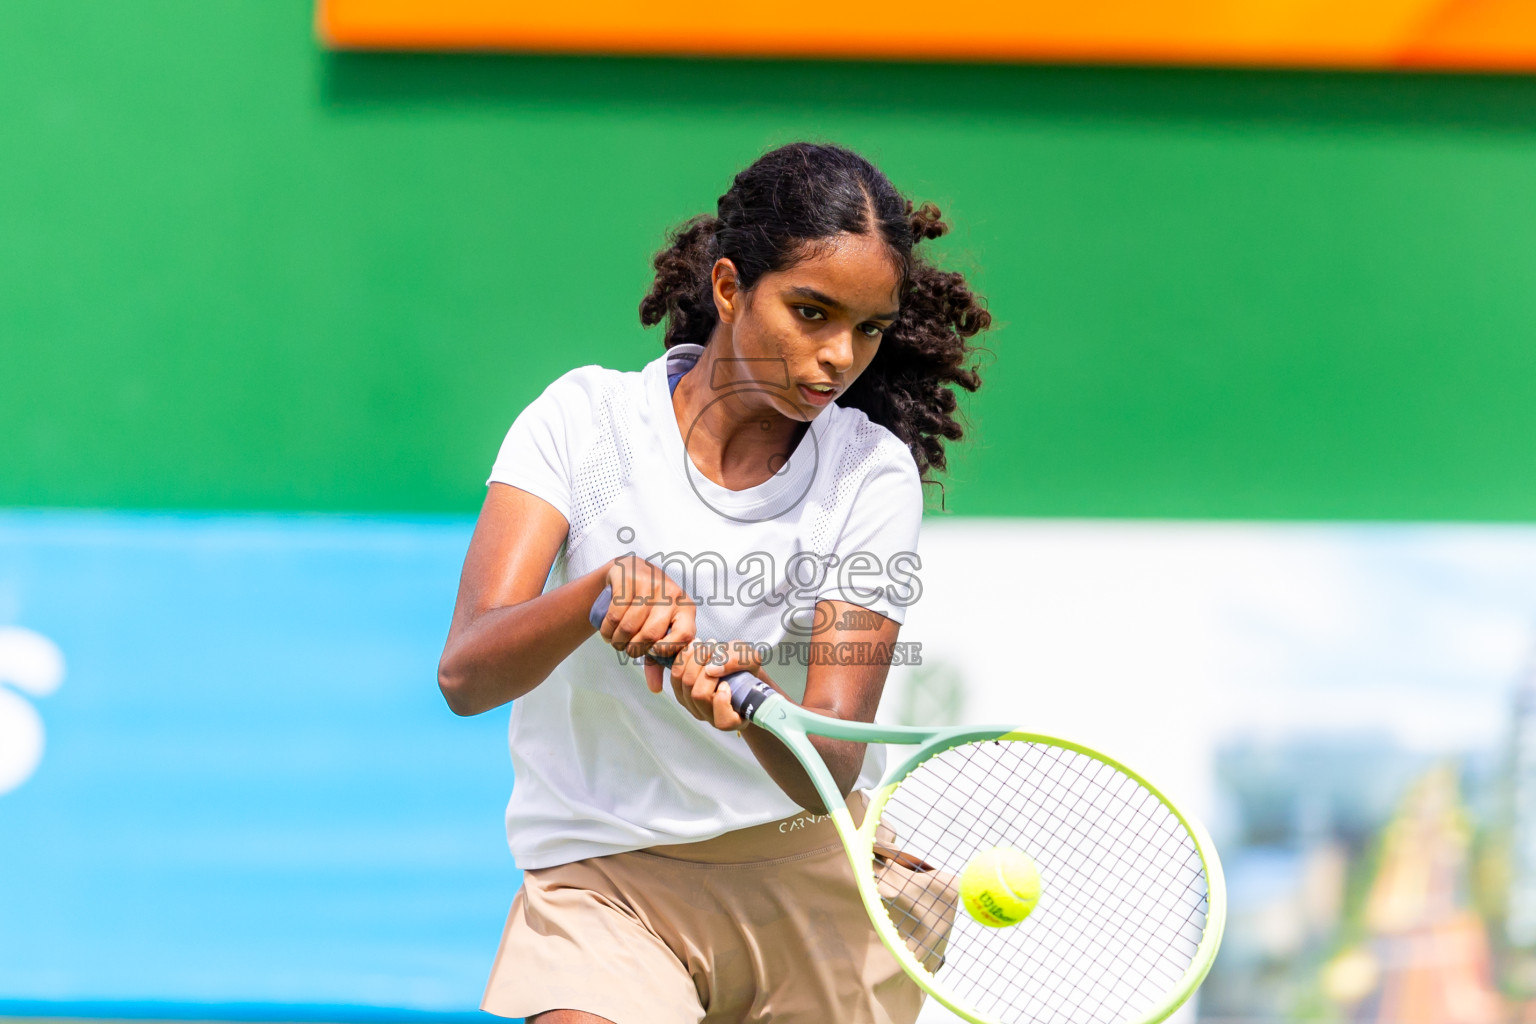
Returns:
(757,925)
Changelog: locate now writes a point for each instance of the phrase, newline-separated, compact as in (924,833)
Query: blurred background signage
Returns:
(1449,34)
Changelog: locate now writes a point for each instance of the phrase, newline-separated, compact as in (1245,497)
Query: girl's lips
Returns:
(817,397)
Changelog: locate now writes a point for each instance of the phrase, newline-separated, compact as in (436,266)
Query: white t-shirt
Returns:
(602,765)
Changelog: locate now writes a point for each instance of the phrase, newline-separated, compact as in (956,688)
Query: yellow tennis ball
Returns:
(1000,886)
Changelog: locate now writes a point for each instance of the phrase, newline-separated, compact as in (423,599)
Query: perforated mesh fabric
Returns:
(607,466)
(850,466)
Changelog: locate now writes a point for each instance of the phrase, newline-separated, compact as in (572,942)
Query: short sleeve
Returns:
(541,449)
(877,564)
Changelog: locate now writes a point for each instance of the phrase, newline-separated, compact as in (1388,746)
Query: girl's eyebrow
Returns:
(803,292)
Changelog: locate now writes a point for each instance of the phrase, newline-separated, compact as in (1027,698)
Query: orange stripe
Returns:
(1306,33)
(1489,34)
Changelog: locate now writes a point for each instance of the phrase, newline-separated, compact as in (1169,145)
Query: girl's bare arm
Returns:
(507,635)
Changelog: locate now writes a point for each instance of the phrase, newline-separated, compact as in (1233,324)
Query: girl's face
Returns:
(805,334)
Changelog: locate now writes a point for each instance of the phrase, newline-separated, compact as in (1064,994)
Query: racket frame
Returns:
(793,726)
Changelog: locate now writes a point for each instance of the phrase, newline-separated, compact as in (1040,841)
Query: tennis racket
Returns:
(1132,901)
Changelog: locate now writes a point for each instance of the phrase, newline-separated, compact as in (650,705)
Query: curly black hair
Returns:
(771,218)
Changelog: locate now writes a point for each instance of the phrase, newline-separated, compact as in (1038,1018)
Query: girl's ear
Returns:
(727,290)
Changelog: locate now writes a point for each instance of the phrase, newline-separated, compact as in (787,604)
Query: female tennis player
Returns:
(752,499)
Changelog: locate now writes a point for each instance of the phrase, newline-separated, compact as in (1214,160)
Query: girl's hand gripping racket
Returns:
(1017,878)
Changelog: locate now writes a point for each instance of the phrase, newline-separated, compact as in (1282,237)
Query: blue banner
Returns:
(229,778)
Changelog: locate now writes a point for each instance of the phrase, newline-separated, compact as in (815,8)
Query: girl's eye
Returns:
(872,330)
(811,312)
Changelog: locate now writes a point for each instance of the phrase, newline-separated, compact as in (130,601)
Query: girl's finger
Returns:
(704,689)
(685,621)
(700,656)
(683,668)
(726,717)
(654,628)
(685,698)
(631,620)
(735,658)
(653,673)
(679,636)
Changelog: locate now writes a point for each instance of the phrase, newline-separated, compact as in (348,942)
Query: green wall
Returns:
(236,272)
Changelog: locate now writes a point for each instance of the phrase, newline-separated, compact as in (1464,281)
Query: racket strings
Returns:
(1051,965)
(1092,910)
(1123,897)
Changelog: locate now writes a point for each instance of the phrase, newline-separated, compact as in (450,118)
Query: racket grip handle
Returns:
(599,610)
(747,691)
